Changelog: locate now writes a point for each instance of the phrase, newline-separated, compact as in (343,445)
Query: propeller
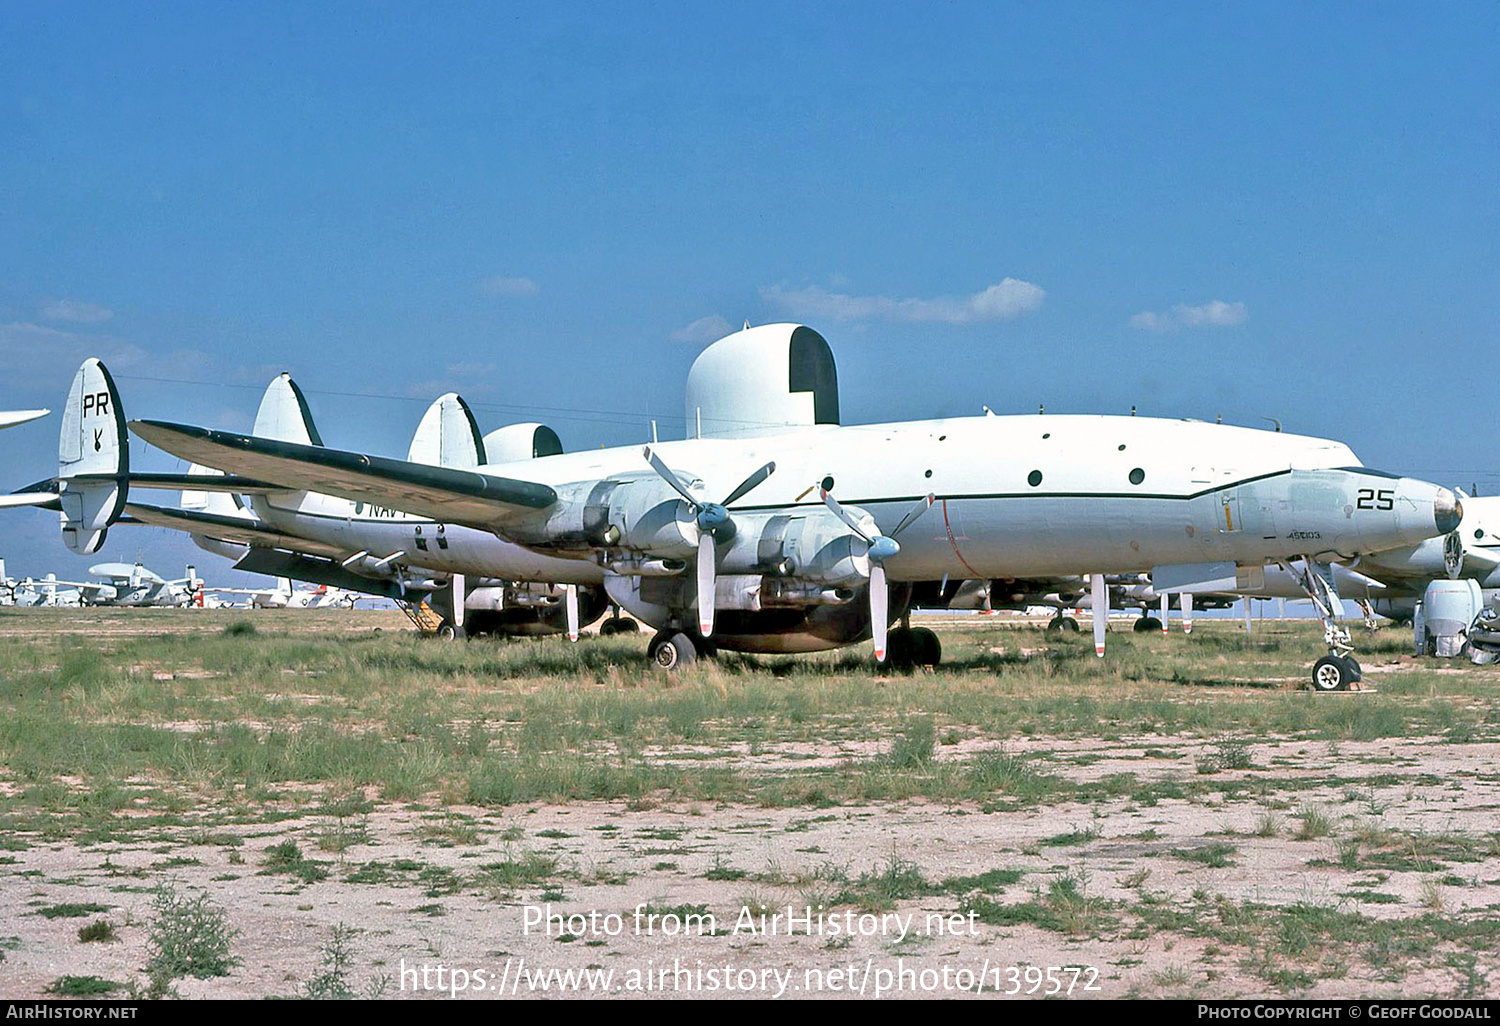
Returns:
(1099,601)
(713,519)
(880,547)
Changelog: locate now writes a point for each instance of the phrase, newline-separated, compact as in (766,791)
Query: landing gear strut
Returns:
(1338,670)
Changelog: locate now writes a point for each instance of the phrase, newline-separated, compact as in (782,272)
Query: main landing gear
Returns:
(618,624)
(674,650)
(1147,625)
(1338,670)
(1063,623)
(909,647)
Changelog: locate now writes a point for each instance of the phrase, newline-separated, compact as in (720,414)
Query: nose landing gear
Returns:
(1338,670)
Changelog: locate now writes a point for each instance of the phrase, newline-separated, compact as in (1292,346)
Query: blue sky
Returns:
(1254,210)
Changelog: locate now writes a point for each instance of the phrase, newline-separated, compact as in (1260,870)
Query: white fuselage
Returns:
(1204,492)
(425,543)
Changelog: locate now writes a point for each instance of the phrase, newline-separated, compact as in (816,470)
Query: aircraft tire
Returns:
(608,627)
(449,632)
(1356,673)
(1063,623)
(671,652)
(1331,673)
(926,649)
(1146,625)
(899,651)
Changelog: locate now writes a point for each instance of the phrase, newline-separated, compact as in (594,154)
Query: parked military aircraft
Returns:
(126,584)
(735,538)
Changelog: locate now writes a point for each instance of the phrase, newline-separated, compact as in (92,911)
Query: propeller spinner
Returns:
(880,548)
(714,522)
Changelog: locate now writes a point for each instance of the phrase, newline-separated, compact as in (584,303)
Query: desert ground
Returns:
(321,804)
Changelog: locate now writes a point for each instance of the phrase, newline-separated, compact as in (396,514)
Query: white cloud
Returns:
(75,312)
(38,355)
(508,288)
(1213,314)
(703,331)
(1010,298)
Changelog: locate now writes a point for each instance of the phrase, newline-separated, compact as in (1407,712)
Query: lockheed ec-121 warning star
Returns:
(809,537)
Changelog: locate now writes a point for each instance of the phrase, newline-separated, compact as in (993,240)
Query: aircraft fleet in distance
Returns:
(127,584)
(777,528)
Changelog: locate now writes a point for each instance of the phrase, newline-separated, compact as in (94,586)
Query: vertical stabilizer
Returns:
(283,414)
(93,460)
(448,436)
(222,503)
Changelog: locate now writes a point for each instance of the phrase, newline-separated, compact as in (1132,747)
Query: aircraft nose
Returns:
(1447,511)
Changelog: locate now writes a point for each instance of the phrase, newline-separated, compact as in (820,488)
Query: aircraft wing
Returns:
(10,418)
(17,499)
(43,493)
(241,530)
(443,493)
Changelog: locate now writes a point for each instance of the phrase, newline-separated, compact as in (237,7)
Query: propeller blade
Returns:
(842,514)
(751,482)
(879,610)
(922,506)
(1187,612)
(1165,599)
(572,604)
(1099,599)
(706,583)
(665,472)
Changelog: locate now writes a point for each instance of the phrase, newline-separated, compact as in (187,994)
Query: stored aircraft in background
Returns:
(132,584)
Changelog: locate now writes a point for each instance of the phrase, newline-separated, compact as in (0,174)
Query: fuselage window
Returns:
(1137,476)
(1034,478)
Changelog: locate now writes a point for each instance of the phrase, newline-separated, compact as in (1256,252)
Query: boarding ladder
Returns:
(427,621)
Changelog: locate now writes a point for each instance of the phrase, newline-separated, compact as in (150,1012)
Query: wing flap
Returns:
(443,493)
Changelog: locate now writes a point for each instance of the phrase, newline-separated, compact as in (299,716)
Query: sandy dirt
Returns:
(432,901)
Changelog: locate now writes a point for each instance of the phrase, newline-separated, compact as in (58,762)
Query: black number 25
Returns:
(1369,498)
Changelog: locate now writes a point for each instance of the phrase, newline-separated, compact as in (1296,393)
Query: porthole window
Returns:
(827,483)
(1122,448)
(1047,435)
(1479,533)
(942,438)
(928,474)
(1137,476)
(1034,478)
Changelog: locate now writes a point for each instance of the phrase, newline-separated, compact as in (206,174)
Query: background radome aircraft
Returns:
(752,513)
(131,584)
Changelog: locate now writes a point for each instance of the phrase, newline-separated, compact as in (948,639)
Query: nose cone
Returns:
(1447,511)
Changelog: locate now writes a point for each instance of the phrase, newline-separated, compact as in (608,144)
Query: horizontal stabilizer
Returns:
(443,493)
(44,494)
(242,530)
(11,418)
(232,483)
